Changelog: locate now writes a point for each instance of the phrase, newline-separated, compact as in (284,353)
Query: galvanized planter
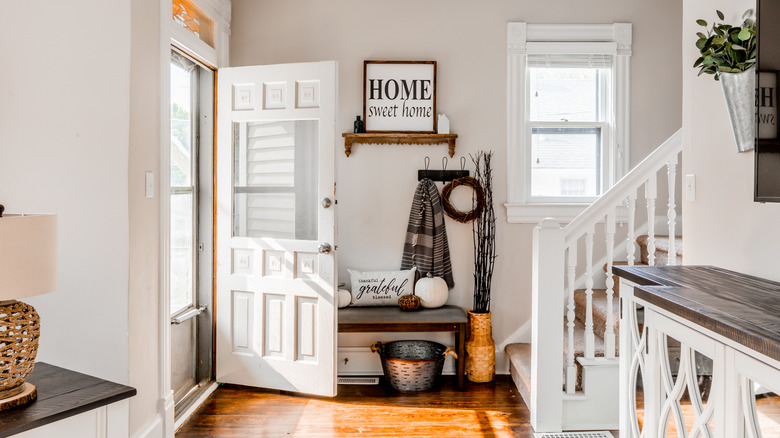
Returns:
(739,89)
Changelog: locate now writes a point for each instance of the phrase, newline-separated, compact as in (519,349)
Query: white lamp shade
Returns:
(28,255)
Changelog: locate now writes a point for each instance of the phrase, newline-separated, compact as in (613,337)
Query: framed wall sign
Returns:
(399,96)
(766,100)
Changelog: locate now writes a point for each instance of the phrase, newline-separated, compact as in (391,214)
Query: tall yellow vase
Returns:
(480,349)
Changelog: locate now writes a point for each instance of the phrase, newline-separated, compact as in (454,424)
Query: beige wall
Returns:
(723,227)
(144,213)
(79,125)
(64,111)
(468,40)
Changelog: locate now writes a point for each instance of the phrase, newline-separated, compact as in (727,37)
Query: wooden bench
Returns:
(393,319)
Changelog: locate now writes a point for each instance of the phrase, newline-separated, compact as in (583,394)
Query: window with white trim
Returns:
(567,116)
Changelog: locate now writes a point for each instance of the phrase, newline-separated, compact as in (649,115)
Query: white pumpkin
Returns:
(432,291)
(344,298)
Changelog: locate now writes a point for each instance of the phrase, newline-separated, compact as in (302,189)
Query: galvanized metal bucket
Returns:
(739,89)
(412,366)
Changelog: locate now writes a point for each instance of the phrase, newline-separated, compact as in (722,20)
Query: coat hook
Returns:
(462,163)
(443,169)
(427,164)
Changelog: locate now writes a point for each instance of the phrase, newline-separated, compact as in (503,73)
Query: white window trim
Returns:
(524,39)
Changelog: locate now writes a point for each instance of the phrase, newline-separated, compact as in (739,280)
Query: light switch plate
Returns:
(149,184)
(690,187)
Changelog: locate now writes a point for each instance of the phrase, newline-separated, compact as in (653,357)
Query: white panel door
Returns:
(276,266)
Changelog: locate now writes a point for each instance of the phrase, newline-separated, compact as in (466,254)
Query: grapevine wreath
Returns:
(479,194)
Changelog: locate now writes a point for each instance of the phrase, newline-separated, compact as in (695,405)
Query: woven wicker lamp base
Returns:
(20,328)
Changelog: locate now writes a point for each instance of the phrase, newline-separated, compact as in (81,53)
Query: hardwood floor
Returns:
(482,410)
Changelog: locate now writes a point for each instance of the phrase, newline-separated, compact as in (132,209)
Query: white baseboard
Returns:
(152,429)
(521,335)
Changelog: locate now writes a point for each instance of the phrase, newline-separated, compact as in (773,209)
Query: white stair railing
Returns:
(560,271)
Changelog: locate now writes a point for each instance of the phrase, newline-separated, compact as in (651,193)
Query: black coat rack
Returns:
(443,175)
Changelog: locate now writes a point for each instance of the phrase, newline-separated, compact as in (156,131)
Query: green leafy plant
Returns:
(726,48)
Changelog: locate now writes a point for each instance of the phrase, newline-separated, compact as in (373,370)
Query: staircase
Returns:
(568,375)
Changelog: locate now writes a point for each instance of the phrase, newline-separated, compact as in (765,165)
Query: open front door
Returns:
(276,266)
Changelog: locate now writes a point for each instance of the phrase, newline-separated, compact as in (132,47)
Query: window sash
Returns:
(606,125)
(187,189)
(601,165)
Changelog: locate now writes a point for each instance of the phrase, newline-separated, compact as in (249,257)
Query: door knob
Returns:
(326,202)
(324,248)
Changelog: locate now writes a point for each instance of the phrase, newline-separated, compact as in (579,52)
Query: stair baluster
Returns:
(609,330)
(571,368)
(671,172)
(651,189)
(589,337)
(631,239)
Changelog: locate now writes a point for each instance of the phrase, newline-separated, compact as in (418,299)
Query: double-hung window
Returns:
(567,116)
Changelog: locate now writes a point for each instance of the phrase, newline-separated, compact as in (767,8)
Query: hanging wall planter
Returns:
(739,90)
(729,54)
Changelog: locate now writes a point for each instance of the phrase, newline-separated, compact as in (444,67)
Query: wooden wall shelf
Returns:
(398,138)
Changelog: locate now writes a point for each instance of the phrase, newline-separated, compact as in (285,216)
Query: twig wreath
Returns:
(479,196)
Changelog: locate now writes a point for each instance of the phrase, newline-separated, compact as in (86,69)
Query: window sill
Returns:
(534,213)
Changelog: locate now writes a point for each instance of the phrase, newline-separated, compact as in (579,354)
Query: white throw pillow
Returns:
(380,288)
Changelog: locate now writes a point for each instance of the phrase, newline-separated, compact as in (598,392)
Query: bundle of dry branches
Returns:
(484,234)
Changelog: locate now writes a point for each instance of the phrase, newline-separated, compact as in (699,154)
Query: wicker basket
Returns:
(412,366)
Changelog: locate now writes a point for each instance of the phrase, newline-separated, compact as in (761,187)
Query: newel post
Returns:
(547,322)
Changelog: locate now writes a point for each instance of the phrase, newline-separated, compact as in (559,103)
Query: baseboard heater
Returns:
(600,434)
(358,381)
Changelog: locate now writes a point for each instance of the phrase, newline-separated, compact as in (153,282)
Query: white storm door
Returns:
(276,266)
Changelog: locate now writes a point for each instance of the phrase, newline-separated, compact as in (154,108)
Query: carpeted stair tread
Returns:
(661,249)
(579,340)
(520,368)
(599,311)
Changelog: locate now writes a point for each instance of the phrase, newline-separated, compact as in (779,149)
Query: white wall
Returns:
(468,40)
(64,109)
(723,227)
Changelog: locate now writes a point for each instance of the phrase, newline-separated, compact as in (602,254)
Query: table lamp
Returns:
(28,267)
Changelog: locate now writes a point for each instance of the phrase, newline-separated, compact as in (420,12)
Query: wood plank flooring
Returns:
(482,410)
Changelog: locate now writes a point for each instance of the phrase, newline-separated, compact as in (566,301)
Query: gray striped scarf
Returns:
(426,238)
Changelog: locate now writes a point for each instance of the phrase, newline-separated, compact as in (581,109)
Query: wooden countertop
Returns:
(61,394)
(742,308)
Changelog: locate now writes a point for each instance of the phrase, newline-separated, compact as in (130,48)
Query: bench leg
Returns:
(460,346)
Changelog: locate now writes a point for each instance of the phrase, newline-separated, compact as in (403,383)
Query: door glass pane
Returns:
(566,161)
(181,124)
(181,251)
(275,179)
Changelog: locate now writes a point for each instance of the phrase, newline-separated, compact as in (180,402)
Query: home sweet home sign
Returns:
(399,96)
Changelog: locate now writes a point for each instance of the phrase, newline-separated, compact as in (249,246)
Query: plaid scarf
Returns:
(426,238)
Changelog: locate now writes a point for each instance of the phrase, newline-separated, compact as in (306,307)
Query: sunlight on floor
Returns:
(333,418)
